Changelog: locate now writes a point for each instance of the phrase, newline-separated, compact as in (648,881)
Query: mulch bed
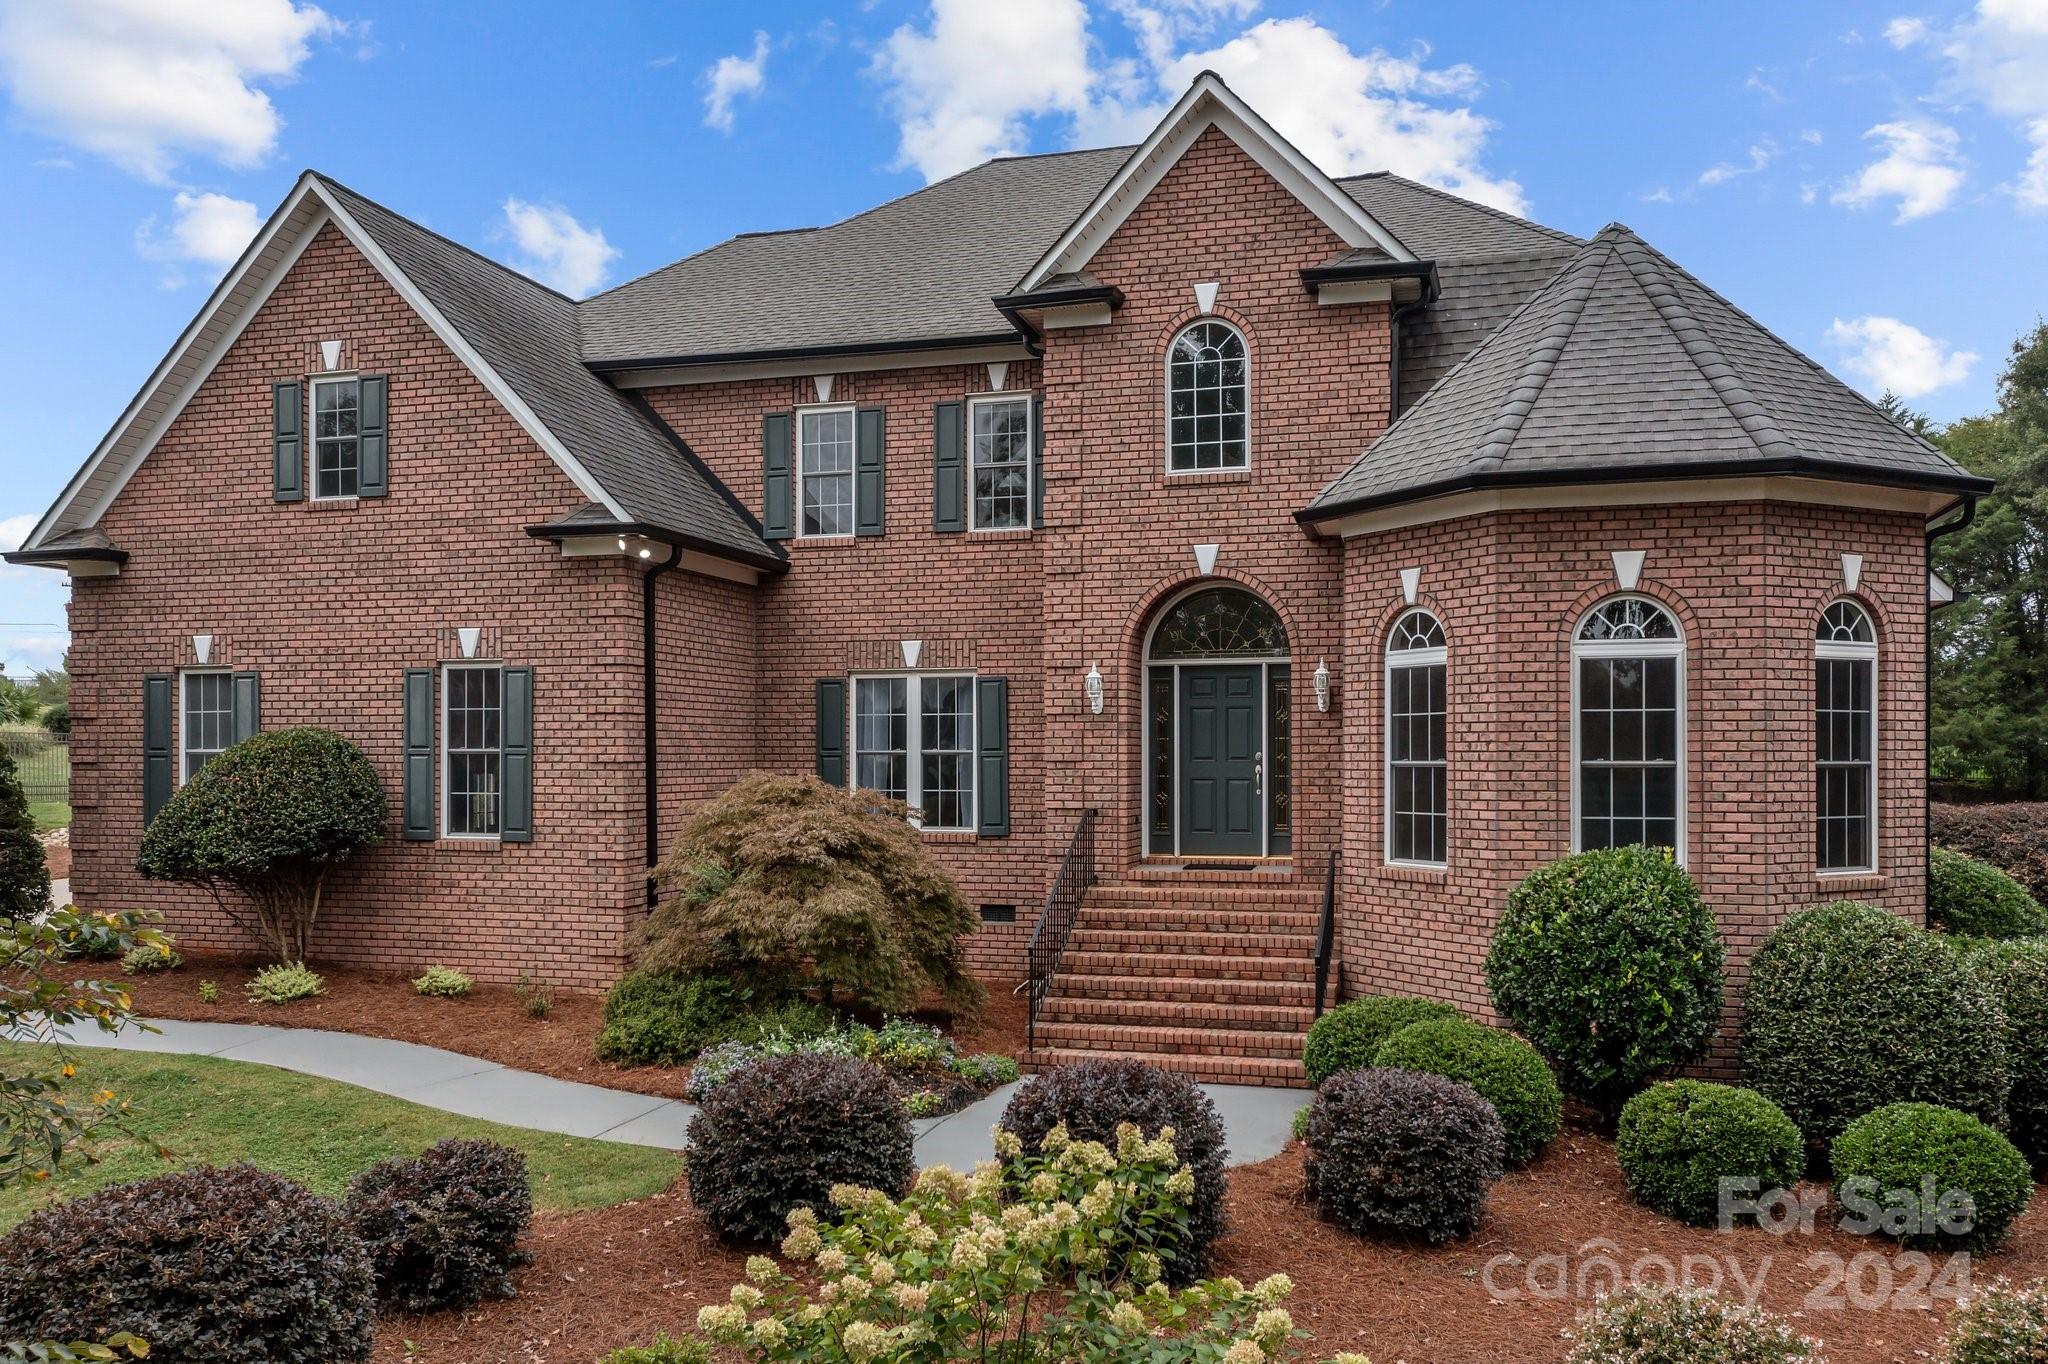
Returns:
(491,1022)
(606,1279)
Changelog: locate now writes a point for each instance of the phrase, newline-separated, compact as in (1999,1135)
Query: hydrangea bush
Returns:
(1690,1326)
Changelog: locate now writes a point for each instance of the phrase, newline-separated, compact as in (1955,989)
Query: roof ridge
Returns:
(1047,156)
(1500,213)
(1542,360)
(441,237)
(1645,265)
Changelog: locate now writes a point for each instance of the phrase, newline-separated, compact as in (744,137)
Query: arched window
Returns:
(1207,398)
(1418,789)
(1845,739)
(1628,735)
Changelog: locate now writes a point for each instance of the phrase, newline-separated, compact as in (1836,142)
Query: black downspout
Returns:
(1927,696)
(650,736)
(1394,360)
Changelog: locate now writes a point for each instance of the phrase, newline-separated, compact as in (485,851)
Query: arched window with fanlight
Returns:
(1628,731)
(1207,399)
(1845,739)
(1418,786)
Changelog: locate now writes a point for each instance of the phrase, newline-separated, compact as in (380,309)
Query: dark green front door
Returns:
(1222,801)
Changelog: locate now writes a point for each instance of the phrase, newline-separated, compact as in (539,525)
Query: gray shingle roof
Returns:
(528,333)
(1437,225)
(1624,366)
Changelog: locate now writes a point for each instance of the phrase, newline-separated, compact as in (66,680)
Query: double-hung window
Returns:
(825,453)
(337,442)
(1845,740)
(1418,787)
(207,714)
(1002,461)
(913,741)
(472,749)
(1628,787)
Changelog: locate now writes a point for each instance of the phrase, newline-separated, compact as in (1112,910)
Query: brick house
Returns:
(1175,514)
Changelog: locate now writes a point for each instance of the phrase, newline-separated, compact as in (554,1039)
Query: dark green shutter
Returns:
(515,780)
(832,730)
(374,476)
(870,464)
(157,757)
(287,449)
(1038,461)
(419,754)
(248,702)
(778,520)
(992,756)
(949,467)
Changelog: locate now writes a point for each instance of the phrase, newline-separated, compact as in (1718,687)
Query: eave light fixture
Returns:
(1092,684)
(1322,685)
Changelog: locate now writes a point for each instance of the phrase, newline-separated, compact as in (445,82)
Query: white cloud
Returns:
(1888,354)
(556,249)
(1761,154)
(730,78)
(2031,189)
(142,82)
(1920,168)
(1997,59)
(1904,31)
(209,228)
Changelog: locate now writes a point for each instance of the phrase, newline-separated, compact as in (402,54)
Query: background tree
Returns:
(24,878)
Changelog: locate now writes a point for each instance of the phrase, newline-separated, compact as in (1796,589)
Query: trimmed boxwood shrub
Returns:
(231,1266)
(1685,1326)
(443,1228)
(1887,1154)
(1974,899)
(2017,975)
(1095,1097)
(1850,1007)
(780,1134)
(1505,1070)
(1350,1035)
(1680,1138)
(1610,963)
(1401,1154)
(2011,836)
(2002,1323)
(656,1018)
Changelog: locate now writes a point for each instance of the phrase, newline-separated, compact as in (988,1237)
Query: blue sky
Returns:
(1870,180)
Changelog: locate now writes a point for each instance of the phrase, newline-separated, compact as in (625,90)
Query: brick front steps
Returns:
(1213,976)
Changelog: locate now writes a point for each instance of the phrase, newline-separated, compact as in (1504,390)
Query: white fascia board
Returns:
(1209,103)
(1340,292)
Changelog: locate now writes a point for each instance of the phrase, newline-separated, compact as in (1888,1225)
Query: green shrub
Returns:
(1974,899)
(1850,1008)
(1348,1036)
(1686,1326)
(1401,1154)
(24,878)
(1092,1099)
(2016,973)
(780,1134)
(269,819)
(1505,1070)
(102,937)
(144,958)
(2003,1323)
(786,881)
(1610,964)
(654,1018)
(1882,1160)
(2011,836)
(230,1266)
(442,1228)
(283,984)
(209,992)
(1679,1139)
(442,982)
(663,1349)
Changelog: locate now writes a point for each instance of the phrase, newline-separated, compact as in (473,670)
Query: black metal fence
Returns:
(1062,906)
(42,760)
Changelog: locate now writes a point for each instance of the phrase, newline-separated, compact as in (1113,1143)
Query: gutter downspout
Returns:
(650,735)
(1394,351)
(1934,532)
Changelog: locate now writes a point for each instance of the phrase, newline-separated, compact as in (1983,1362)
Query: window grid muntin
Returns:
(1208,399)
(1845,740)
(1417,716)
(825,471)
(472,750)
(1224,621)
(914,741)
(337,439)
(1000,461)
(206,719)
(1644,787)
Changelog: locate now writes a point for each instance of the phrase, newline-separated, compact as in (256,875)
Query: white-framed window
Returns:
(1208,399)
(472,749)
(999,450)
(206,719)
(1845,739)
(824,470)
(1628,727)
(913,741)
(1418,785)
(337,446)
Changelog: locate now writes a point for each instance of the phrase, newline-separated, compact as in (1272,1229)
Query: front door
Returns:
(1222,789)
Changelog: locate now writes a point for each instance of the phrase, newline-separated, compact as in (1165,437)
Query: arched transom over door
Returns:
(1218,742)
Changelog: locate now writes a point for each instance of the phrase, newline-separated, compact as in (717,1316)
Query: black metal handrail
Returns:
(1326,935)
(1062,906)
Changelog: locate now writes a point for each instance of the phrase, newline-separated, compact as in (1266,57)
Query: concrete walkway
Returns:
(1255,1120)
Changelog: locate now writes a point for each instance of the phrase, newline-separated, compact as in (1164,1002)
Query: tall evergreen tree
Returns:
(24,879)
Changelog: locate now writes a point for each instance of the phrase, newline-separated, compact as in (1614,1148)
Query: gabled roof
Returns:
(1624,367)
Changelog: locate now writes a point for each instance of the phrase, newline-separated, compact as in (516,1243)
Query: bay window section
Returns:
(1845,740)
(913,741)
(1628,663)
(825,449)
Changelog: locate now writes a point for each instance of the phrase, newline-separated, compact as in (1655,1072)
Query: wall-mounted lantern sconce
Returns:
(1322,685)
(1093,685)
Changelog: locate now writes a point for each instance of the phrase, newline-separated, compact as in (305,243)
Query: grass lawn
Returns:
(49,814)
(319,1132)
